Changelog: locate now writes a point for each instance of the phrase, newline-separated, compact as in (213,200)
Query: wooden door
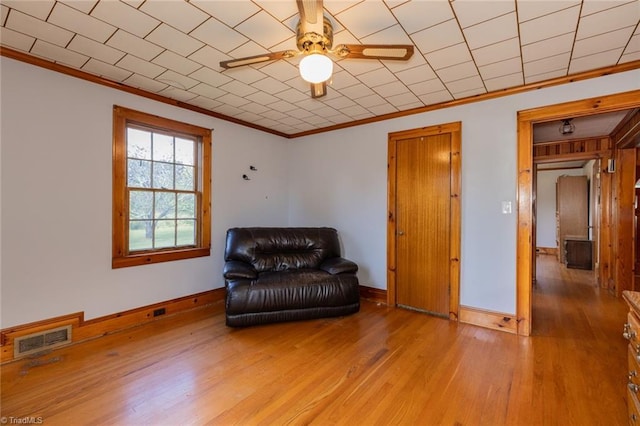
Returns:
(426,225)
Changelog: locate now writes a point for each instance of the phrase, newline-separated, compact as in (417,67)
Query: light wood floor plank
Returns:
(381,366)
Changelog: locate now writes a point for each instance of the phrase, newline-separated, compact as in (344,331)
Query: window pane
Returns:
(165,233)
(140,205)
(165,205)
(187,206)
(139,173)
(185,151)
(140,235)
(138,144)
(162,175)
(162,148)
(184,177)
(186,233)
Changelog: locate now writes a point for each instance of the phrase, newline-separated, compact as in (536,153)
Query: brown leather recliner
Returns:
(285,274)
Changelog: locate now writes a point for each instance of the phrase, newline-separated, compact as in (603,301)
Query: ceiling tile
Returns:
(231,12)
(436,97)
(280,70)
(264,29)
(134,3)
(16,40)
(233,100)
(493,31)
(177,63)
(418,15)
(292,95)
(96,50)
(245,74)
(58,54)
(282,106)
(366,18)
(207,91)
(383,109)
(137,65)
(37,9)
(609,20)
(340,103)
(546,65)
(465,85)
(449,56)
(457,72)
(634,45)
(215,33)
(497,52)
(590,7)
(78,22)
(602,42)
(398,66)
(270,85)
(402,99)
(281,10)
(504,82)
(550,47)
(259,109)
(544,76)
(528,9)
(549,26)
(391,89)
(498,69)
(4,12)
(174,79)
(391,35)
(377,77)
(179,14)
(474,12)
(360,66)
(26,24)
(177,94)
(262,98)
(209,57)
(81,5)
(598,60)
(125,17)
(628,57)
(251,48)
(371,100)
(416,75)
(209,76)
(144,83)
(106,70)
(137,46)
(470,92)
(205,103)
(174,40)
(357,91)
(438,37)
(427,87)
(239,88)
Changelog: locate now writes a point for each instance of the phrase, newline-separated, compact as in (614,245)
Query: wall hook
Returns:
(245,177)
(253,168)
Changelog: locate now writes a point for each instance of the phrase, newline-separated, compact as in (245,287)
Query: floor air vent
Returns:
(38,342)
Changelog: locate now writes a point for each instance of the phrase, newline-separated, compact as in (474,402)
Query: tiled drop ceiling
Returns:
(463,48)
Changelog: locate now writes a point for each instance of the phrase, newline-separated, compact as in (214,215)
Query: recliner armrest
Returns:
(234,269)
(338,265)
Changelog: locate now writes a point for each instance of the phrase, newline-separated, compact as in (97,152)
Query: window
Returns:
(161,189)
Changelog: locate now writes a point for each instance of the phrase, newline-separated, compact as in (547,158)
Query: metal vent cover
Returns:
(37,342)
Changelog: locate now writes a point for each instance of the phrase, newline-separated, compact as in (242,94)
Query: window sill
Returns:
(151,258)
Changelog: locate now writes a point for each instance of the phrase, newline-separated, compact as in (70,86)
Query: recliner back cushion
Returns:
(279,249)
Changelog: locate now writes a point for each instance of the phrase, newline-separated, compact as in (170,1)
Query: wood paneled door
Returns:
(424,219)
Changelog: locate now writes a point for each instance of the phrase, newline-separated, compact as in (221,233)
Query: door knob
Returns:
(400,233)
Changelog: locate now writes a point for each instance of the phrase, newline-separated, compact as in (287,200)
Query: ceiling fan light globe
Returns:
(316,68)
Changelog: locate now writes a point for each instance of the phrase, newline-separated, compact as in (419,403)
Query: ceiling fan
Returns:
(315,41)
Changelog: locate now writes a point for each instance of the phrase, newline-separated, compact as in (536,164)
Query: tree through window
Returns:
(161,189)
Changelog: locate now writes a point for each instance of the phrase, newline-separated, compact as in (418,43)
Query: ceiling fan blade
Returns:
(250,60)
(397,52)
(311,16)
(318,90)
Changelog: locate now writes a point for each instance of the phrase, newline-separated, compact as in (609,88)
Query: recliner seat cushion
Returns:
(292,289)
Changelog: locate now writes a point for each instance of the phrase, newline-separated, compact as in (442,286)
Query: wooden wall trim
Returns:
(24,57)
(553,251)
(576,149)
(489,319)
(83,330)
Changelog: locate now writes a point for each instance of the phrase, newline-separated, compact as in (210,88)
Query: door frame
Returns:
(455,129)
(526,120)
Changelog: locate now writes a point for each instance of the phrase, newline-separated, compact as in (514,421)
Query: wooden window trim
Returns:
(120,253)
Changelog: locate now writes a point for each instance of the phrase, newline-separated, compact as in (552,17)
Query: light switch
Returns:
(506,207)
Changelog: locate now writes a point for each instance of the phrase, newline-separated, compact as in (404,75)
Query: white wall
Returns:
(341,181)
(546,205)
(56,193)
(56,198)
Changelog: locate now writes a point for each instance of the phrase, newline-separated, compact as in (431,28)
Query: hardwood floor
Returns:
(380,366)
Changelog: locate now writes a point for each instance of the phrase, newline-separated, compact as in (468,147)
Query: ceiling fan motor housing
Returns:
(313,42)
